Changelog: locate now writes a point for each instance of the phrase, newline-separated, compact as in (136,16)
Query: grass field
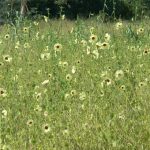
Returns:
(82,85)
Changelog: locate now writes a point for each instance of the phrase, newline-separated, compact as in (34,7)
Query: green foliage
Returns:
(72,8)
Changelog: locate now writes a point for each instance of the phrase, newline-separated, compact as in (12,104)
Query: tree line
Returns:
(72,8)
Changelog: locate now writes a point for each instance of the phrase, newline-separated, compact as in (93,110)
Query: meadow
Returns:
(75,85)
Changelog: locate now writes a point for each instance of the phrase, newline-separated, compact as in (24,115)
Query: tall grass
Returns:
(69,85)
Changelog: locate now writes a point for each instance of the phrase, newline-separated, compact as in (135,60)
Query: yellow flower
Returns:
(119,74)
(105,45)
(63,17)
(26,45)
(107,37)
(1,64)
(4,113)
(35,23)
(65,64)
(45,56)
(46,18)
(140,31)
(57,47)
(92,30)
(25,30)
(108,81)
(68,77)
(73,92)
(83,42)
(82,96)
(7,58)
(3,92)
(118,25)
(30,123)
(93,38)
(7,36)
(46,128)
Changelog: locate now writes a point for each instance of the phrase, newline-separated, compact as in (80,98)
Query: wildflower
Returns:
(101,93)
(60,63)
(68,77)
(45,82)
(96,54)
(65,132)
(25,30)
(105,45)
(98,45)
(38,96)
(38,108)
(118,25)
(122,87)
(1,64)
(84,43)
(45,56)
(57,47)
(73,70)
(37,35)
(146,51)
(63,17)
(7,58)
(119,74)
(93,38)
(7,36)
(140,31)
(30,123)
(46,128)
(26,45)
(3,92)
(88,50)
(46,18)
(108,81)
(78,61)
(142,84)
(107,37)
(4,113)
(46,49)
(92,30)
(104,73)
(35,23)
(45,113)
(72,29)
(67,96)
(82,95)
(65,64)
(50,76)
(73,92)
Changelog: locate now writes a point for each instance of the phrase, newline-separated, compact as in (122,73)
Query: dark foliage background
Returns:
(125,9)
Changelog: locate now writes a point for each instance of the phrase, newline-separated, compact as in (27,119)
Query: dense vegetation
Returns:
(80,85)
(72,8)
